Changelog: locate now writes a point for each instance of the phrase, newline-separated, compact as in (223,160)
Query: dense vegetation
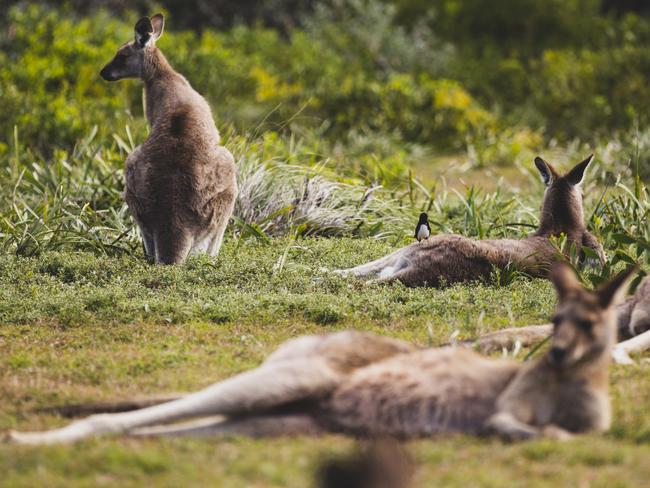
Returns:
(442,73)
(346,118)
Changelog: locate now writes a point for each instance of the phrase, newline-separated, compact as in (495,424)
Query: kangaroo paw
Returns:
(621,356)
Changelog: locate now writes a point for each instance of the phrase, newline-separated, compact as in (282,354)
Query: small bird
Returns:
(422,230)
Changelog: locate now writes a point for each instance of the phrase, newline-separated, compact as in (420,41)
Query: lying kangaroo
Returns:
(633,329)
(180,183)
(362,384)
(453,258)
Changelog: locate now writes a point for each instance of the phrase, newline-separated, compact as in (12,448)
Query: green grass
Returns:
(77,326)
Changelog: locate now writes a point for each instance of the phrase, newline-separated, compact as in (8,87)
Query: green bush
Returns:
(49,77)
(253,77)
(438,73)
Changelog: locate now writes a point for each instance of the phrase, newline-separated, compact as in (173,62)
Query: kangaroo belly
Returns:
(532,254)
(419,394)
(447,259)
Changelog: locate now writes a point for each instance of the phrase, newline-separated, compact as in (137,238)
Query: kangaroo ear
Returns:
(564,279)
(576,175)
(143,32)
(549,175)
(158,23)
(614,290)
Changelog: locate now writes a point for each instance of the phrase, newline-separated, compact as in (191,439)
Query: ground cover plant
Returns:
(346,119)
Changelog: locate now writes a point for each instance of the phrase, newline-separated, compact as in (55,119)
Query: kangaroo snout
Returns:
(107,74)
(557,355)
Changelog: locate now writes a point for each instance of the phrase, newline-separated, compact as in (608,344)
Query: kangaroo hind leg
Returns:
(373,267)
(217,240)
(148,244)
(257,426)
(254,391)
(400,269)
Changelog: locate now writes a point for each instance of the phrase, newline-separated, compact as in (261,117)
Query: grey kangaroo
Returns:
(632,323)
(362,384)
(180,183)
(447,259)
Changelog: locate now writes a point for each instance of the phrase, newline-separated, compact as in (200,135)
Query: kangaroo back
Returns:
(180,184)
(562,207)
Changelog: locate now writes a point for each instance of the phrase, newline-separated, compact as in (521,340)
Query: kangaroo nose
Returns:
(558,354)
(106,74)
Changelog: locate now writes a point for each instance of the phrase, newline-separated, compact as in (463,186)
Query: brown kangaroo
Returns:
(180,183)
(446,259)
(633,329)
(362,384)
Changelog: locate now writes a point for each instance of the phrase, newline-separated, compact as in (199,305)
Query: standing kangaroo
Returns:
(180,183)
(446,259)
(362,384)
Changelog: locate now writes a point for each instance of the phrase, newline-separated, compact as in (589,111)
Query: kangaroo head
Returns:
(128,62)
(562,204)
(584,322)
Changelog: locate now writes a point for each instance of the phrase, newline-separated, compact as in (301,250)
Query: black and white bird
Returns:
(422,230)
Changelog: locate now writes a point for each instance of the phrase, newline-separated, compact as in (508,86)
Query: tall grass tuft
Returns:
(276,198)
(72,199)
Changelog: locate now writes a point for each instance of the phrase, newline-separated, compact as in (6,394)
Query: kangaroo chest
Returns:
(573,405)
(579,408)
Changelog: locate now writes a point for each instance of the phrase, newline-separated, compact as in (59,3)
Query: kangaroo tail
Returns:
(82,409)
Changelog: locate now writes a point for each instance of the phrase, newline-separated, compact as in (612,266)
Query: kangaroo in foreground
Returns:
(362,384)
(633,329)
(447,259)
(180,183)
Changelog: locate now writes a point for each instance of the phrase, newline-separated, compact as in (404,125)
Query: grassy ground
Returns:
(78,327)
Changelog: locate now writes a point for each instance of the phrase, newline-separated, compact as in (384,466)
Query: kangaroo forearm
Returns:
(507,426)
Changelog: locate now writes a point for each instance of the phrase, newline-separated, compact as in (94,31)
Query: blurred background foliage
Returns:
(443,73)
